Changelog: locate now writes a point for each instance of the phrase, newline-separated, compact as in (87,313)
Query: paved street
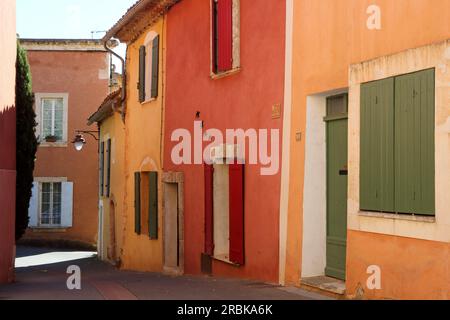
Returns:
(41,274)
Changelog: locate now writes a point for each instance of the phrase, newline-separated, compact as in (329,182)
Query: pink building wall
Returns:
(83,75)
(7,138)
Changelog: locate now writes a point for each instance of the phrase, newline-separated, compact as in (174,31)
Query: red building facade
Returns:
(225,71)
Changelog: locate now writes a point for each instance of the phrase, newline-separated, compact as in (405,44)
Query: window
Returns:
(51,204)
(224,212)
(149,68)
(52,118)
(146,203)
(397,144)
(225,35)
(50,210)
(51,112)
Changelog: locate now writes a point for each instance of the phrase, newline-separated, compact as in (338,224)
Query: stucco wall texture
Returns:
(80,74)
(142,151)
(243,100)
(329,36)
(7,138)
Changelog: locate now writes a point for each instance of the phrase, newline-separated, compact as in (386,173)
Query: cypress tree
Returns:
(26,140)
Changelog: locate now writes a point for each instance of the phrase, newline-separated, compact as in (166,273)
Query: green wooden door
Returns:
(337,172)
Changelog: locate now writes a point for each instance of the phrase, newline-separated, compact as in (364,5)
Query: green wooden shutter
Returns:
(137,202)
(141,84)
(102,168)
(155,67)
(153,205)
(377,146)
(108,168)
(414,143)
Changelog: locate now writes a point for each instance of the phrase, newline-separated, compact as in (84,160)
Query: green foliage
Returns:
(25,139)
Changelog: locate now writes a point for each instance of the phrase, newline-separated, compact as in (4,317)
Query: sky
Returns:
(68,19)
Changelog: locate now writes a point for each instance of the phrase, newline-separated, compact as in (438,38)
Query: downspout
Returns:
(124,78)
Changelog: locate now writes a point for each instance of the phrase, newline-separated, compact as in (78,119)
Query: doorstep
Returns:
(329,286)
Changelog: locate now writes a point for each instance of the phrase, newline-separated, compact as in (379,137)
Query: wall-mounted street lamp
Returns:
(80,141)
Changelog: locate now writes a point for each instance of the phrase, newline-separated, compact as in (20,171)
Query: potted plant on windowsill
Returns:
(51,139)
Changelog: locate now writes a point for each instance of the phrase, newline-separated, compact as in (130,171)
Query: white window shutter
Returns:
(33,208)
(67,204)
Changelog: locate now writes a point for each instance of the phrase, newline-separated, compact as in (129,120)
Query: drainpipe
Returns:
(124,78)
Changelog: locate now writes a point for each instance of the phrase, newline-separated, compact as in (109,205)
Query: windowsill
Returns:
(224,258)
(148,101)
(50,229)
(45,144)
(393,216)
(216,76)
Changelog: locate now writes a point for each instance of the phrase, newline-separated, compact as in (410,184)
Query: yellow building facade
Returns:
(130,209)
(143,154)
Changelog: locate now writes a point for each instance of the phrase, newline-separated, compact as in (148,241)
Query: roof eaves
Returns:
(160,6)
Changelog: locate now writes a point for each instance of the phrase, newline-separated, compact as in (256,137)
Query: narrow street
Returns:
(41,275)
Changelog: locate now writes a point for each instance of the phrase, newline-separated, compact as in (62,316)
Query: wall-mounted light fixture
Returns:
(80,141)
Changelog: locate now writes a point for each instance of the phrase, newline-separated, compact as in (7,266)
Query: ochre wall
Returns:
(410,268)
(328,36)
(78,74)
(142,153)
(7,138)
(243,100)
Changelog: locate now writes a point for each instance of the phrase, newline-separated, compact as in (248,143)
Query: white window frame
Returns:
(148,44)
(40,223)
(39,97)
(40,181)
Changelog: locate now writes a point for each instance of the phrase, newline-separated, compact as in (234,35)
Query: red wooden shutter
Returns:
(225,35)
(237,213)
(209,219)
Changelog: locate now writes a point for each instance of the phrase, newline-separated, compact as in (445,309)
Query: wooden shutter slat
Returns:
(236,193)
(142,74)
(153,205)
(137,202)
(414,143)
(155,67)
(225,35)
(209,210)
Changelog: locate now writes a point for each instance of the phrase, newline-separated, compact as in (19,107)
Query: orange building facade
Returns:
(7,139)
(70,79)
(358,91)
(343,48)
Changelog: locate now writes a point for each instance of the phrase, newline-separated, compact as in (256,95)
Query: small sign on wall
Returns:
(276,111)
